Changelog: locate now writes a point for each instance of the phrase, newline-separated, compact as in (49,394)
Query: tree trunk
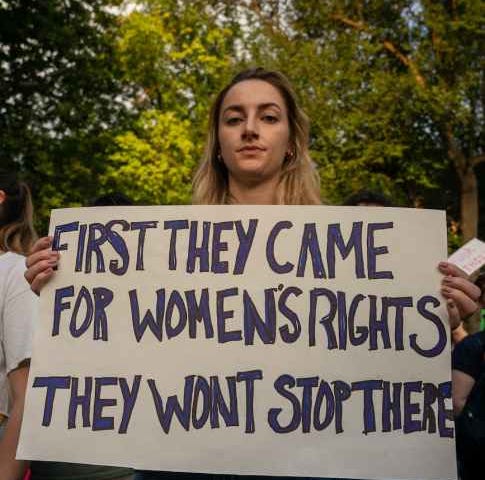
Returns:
(468,186)
(469,203)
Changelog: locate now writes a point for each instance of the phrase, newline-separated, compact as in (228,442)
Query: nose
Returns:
(251,130)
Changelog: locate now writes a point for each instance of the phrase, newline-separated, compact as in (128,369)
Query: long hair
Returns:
(299,183)
(17,233)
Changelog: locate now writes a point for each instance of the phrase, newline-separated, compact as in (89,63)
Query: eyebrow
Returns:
(262,106)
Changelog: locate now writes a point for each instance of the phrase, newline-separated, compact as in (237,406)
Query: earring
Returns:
(289,155)
(219,157)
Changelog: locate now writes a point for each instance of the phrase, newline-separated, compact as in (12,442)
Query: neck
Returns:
(253,194)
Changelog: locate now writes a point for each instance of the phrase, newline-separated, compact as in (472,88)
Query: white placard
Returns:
(470,257)
(271,340)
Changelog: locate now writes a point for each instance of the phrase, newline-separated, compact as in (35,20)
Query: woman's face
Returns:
(253,132)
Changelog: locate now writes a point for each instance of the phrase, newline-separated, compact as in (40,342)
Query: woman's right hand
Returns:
(41,264)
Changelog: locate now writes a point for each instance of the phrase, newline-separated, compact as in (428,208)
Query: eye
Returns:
(269,118)
(233,121)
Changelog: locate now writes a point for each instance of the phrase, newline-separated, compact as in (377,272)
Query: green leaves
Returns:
(59,96)
(153,163)
(388,86)
(93,99)
(176,55)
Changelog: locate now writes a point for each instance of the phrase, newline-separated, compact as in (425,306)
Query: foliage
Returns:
(153,162)
(390,88)
(93,98)
(176,55)
(59,95)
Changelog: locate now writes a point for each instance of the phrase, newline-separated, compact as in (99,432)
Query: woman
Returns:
(256,153)
(17,312)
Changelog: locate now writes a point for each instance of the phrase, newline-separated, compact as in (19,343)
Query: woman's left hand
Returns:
(461,294)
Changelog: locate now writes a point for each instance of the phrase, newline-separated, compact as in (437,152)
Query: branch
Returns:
(349,22)
(387,44)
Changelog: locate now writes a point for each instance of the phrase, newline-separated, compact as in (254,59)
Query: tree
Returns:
(153,161)
(175,55)
(394,91)
(60,97)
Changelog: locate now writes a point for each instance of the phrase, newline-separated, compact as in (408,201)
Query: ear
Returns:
(3,196)
(290,150)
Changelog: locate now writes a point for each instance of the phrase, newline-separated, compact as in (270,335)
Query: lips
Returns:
(251,148)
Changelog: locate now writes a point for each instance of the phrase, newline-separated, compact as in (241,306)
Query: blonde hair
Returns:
(299,181)
(17,233)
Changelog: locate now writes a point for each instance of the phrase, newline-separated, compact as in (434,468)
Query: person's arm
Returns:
(18,317)
(462,385)
(458,334)
(11,469)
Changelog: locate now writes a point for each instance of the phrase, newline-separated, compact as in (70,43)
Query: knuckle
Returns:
(44,253)
(44,265)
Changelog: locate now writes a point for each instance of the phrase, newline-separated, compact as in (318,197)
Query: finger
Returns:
(460,283)
(465,305)
(45,254)
(41,279)
(45,263)
(41,244)
(453,314)
(450,269)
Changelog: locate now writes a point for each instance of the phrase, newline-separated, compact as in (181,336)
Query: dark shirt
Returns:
(467,355)
(75,471)
(150,475)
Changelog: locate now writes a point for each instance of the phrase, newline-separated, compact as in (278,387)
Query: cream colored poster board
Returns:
(299,341)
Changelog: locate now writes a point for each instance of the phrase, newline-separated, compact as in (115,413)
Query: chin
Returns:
(249,166)
(253,177)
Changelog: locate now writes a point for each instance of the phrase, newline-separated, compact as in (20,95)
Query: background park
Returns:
(101,95)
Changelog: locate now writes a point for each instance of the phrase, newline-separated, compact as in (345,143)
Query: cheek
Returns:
(280,141)
(226,140)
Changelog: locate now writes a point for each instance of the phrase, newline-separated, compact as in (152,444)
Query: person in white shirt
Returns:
(18,307)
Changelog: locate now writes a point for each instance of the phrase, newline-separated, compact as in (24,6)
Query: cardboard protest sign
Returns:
(272,340)
(470,257)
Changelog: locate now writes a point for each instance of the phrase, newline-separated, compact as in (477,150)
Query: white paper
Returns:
(404,244)
(470,257)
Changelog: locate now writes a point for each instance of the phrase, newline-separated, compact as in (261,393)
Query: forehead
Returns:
(251,93)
